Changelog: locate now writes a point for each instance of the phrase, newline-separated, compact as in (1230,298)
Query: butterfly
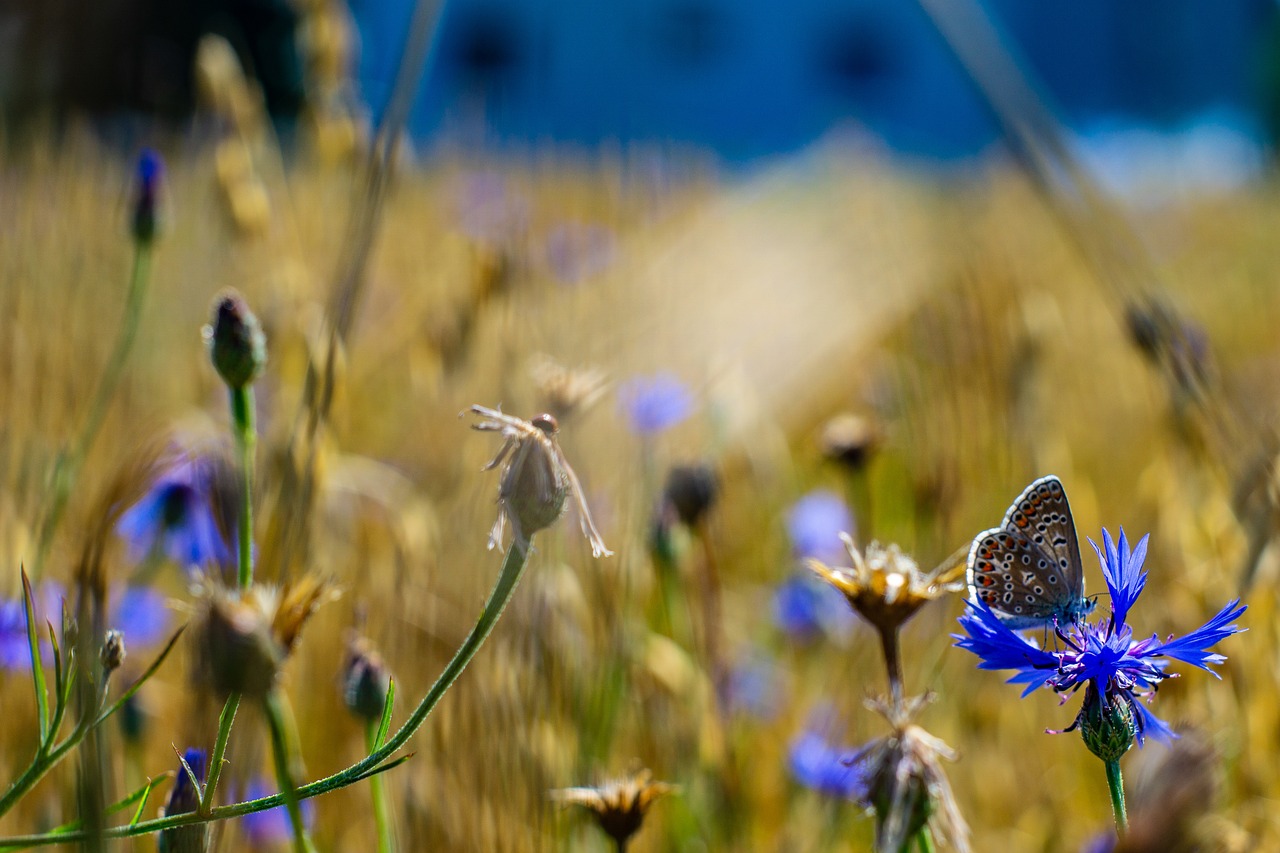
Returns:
(1028,570)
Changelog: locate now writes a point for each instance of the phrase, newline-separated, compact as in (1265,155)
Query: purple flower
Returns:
(267,828)
(142,613)
(654,403)
(1102,655)
(15,651)
(577,251)
(488,210)
(815,523)
(830,770)
(806,608)
(175,518)
(755,687)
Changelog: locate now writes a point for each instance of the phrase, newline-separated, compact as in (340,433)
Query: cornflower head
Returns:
(805,609)
(149,175)
(886,588)
(184,797)
(619,805)
(1103,657)
(654,403)
(176,518)
(815,524)
(536,479)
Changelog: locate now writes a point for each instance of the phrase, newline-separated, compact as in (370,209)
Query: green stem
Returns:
(512,569)
(1115,781)
(67,468)
(377,789)
(225,721)
(924,840)
(242,415)
(283,750)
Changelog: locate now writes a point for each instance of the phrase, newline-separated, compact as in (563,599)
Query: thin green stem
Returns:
(225,721)
(67,467)
(284,751)
(242,416)
(377,790)
(924,840)
(512,570)
(1115,781)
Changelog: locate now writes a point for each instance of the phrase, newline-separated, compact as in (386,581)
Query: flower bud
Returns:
(236,343)
(183,799)
(365,680)
(1107,723)
(112,654)
(849,440)
(691,490)
(236,651)
(149,172)
(534,487)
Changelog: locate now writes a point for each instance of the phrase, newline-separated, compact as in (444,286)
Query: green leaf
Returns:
(37,666)
(384,725)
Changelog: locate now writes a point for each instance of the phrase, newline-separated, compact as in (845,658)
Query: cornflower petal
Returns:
(1123,572)
(1194,647)
(1000,647)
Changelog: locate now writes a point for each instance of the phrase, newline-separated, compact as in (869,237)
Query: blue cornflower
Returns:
(755,686)
(1101,656)
(267,828)
(830,770)
(142,614)
(654,403)
(815,523)
(805,608)
(184,797)
(175,518)
(15,651)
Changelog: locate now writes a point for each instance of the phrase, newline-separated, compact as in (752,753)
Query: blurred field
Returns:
(949,308)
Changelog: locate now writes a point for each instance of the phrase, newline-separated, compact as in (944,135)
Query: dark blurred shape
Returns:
(150,171)
(849,440)
(237,345)
(1177,346)
(365,679)
(854,53)
(691,490)
(690,34)
(137,55)
(486,47)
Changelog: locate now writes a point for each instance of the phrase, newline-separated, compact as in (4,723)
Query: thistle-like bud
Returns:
(619,806)
(849,440)
(236,651)
(112,654)
(691,490)
(237,346)
(1107,723)
(183,799)
(150,171)
(365,680)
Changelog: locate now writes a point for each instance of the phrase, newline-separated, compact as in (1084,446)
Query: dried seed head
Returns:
(619,806)
(886,586)
(536,478)
(365,680)
(564,391)
(113,653)
(236,343)
(244,636)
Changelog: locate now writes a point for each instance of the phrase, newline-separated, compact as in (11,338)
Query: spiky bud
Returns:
(112,653)
(237,346)
(1107,723)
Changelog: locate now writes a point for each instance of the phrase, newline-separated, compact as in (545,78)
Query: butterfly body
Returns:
(1028,570)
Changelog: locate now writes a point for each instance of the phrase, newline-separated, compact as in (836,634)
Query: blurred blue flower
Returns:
(1101,655)
(806,608)
(142,613)
(576,251)
(654,403)
(175,518)
(834,771)
(754,687)
(487,209)
(270,827)
(15,653)
(815,523)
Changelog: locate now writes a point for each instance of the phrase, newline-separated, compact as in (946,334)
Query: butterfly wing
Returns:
(1028,570)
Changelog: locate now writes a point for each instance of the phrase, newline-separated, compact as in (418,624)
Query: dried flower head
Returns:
(564,391)
(906,784)
(886,586)
(244,636)
(536,479)
(619,805)
(849,440)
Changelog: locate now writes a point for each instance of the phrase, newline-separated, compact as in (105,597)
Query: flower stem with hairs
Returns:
(381,808)
(284,753)
(1115,781)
